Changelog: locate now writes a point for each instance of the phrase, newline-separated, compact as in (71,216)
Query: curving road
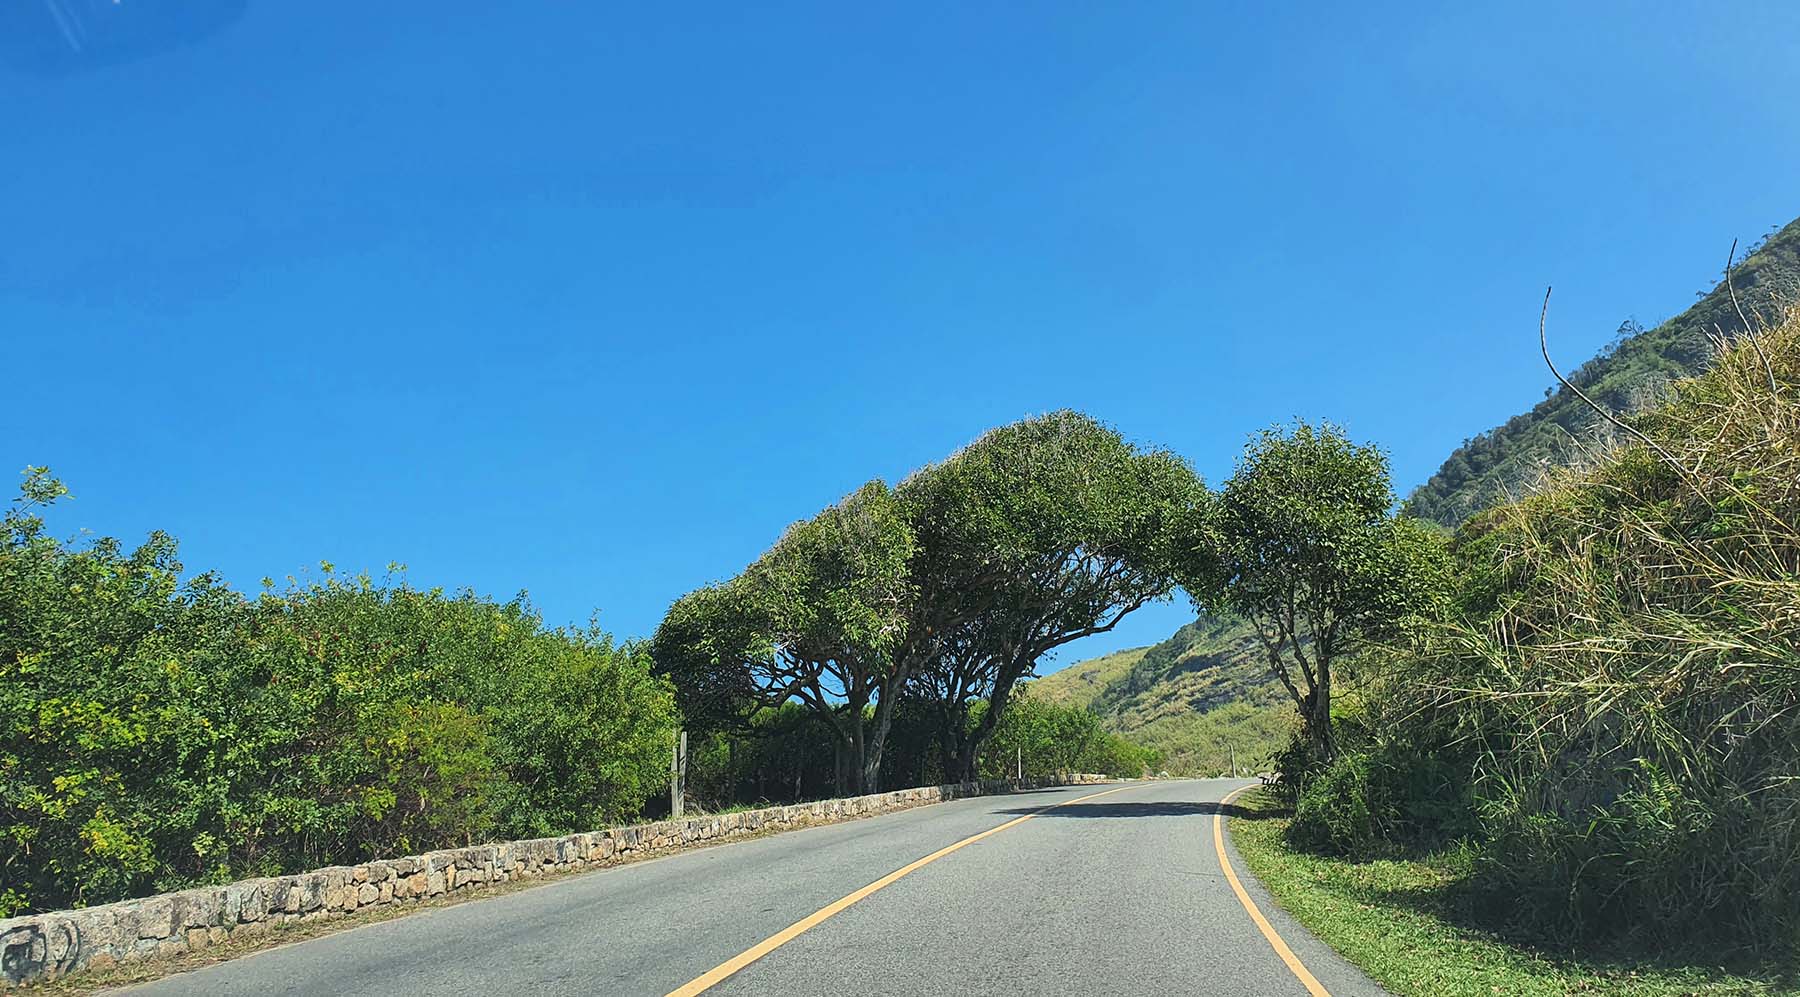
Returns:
(1112,890)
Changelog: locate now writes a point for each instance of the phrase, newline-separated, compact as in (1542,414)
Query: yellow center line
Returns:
(1312,984)
(716,975)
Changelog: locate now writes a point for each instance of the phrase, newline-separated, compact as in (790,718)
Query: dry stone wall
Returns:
(51,946)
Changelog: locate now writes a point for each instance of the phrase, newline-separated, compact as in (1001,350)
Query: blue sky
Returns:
(592,302)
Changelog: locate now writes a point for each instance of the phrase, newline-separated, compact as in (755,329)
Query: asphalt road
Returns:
(1119,894)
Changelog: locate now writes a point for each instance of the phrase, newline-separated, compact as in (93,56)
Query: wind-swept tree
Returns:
(1303,543)
(817,619)
(949,588)
(1037,534)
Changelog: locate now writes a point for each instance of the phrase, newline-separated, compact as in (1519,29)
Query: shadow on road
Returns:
(1128,809)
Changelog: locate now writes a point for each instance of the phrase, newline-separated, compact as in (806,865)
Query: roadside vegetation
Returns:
(1630,375)
(156,734)
(1588,743)
(1557,748)
(1409,921)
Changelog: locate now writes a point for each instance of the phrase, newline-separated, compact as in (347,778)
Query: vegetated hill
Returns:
(1084,682)
(1197,697)
(1630,375)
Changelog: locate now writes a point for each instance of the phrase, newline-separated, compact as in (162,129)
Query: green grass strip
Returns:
(1393,918)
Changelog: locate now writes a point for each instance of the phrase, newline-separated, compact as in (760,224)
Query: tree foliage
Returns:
(1302,544)
(818,619)
(1039,533)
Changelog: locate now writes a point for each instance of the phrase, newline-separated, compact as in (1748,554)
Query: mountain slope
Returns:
(1561,430)
(1197,697)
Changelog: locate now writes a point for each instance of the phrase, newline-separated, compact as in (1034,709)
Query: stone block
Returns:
(99,931)
(199,908)
(155,917)
(246,901)
(311,886)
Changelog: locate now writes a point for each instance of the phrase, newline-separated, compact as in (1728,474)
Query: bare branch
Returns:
(1544,344)
(1749,332)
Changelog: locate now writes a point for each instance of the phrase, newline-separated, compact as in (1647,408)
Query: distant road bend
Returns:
(1083,890)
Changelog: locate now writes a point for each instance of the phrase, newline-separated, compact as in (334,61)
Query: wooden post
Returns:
(1234,761)
(678,774)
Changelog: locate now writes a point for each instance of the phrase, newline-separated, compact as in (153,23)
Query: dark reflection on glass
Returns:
(57,37)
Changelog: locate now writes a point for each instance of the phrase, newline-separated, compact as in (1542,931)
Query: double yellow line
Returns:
(718,974)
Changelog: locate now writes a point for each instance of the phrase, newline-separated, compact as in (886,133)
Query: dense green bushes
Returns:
(1367,801)
(155,734)
(782,754)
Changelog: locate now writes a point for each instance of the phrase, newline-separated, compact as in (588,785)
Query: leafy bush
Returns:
(155,734)
(1367,802)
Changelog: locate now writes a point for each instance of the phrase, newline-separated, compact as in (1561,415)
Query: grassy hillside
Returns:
(1632,374)
(1083,683)
(1195,697)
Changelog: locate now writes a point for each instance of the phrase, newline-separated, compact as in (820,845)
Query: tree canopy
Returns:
(947,589)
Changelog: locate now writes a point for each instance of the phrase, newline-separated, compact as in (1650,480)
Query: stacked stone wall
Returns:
(53,945)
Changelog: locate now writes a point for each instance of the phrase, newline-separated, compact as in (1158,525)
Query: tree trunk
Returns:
(949,745)
(1004,682)
(1316,720)
(858,772)
(884,719)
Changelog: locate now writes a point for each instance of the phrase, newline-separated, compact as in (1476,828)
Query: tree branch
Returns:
(1544,344)
(1750,333)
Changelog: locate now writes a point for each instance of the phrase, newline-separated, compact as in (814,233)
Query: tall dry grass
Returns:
(1624,674)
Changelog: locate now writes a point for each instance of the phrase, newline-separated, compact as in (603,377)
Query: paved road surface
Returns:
(1120,894)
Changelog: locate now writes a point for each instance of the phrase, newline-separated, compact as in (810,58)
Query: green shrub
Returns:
(1341,809)
(784,754)
(1370,801)
(156,734)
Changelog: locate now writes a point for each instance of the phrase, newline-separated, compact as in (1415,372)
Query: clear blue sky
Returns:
(592,300)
